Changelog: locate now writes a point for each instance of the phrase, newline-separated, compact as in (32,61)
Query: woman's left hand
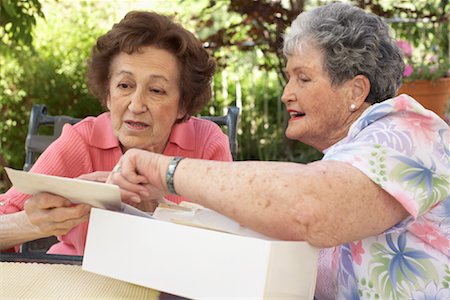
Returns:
(99,176)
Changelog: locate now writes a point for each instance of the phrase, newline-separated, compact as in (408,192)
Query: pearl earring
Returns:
(352,107)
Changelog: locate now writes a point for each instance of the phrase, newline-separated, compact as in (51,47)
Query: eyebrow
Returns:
(293,71)
(153,76)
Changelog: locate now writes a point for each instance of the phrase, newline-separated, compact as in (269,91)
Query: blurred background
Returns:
(44,47)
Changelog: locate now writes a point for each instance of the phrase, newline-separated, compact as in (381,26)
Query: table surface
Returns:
(61,277)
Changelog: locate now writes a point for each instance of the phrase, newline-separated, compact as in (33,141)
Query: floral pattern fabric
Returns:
(404,148)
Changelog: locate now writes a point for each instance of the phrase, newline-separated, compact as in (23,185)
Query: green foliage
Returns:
(17,19)
(245,38)
(424,25)
(54,73)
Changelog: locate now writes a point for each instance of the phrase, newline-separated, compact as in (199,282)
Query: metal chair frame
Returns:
(35,144)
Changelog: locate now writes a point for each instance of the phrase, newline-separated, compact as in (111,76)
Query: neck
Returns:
(342,130)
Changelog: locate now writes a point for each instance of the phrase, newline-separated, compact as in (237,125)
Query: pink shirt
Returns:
(90,146)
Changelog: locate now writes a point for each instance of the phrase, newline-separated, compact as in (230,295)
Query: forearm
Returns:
(259,195)
(319,203)
(16,229)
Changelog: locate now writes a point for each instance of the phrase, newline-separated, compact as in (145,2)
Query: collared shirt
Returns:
(403,148)
(91,145)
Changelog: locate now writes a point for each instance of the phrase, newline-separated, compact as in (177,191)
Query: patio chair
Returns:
(36,143)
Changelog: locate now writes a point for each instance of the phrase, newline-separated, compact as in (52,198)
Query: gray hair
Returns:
(354,43)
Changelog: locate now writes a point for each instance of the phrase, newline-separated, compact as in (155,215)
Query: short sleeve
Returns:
(405,153)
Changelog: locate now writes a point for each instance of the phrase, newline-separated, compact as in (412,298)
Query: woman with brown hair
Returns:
(152,75)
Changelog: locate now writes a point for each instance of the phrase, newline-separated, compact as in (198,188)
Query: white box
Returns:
(195,262)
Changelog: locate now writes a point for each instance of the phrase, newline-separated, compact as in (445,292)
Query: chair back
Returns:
(230,120)
(36,143)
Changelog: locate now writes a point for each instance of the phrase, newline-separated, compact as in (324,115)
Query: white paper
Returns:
(195,215)
(97,194)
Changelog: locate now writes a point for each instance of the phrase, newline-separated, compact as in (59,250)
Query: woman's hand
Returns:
(99,176)
(138,176)
(55,215)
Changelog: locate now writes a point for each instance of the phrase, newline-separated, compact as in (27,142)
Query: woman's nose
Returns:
(137,103)
(288,93)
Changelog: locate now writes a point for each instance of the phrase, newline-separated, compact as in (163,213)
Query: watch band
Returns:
(170,172)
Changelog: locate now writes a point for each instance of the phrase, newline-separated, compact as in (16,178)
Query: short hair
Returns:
(353,42)
(139,29)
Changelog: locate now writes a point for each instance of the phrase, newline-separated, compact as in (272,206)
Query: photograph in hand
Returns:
(96,194)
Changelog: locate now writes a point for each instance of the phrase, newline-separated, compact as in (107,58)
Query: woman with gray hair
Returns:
(377,204)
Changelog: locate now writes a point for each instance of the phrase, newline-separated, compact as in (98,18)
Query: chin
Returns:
(127,144)
(291,135)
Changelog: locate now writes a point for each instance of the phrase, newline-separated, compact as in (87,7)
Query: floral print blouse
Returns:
(404,148)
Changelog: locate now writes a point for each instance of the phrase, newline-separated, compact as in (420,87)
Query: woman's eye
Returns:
(157,91)
(123,85)
(304,78)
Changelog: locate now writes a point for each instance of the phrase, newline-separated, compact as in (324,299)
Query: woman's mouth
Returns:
(295,115)
(136,125)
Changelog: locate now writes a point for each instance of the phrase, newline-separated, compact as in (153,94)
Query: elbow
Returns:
(310,222)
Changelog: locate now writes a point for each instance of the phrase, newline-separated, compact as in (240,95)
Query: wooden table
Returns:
(41,276)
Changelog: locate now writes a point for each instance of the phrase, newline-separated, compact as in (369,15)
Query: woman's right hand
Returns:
(139,175)
(55,215)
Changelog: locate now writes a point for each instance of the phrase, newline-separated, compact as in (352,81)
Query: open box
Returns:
(195,262)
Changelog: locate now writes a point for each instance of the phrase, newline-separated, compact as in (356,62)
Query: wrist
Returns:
(173,164)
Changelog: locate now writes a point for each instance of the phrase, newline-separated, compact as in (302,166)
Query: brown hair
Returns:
(138,29)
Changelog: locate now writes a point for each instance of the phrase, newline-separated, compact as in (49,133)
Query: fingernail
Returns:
(136,199)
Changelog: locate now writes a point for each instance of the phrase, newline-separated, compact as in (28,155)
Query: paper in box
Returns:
(197,263)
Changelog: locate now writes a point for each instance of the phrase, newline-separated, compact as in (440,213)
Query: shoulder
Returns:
(397,112)
(207,132)
(87,125)
(402,147)
(404,125)
(201,123)
(195,129)
(205,126)
(199,138)
(95,131)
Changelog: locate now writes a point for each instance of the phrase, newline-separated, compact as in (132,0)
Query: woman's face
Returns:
(319,113)
(143,98)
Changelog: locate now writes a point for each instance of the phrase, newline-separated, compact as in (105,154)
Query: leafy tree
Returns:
(17,19)
(52,71)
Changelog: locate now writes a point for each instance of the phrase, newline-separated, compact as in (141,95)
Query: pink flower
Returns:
(408,70)
(434,59)
(421,127)
(431,235)
(357,250)
(433,69)
(405,46)
(402,103)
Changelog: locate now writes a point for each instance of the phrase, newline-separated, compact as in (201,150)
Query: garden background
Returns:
(44,47)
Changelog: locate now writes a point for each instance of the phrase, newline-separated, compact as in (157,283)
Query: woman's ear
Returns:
(360,89)
(181,114)
(108,102)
